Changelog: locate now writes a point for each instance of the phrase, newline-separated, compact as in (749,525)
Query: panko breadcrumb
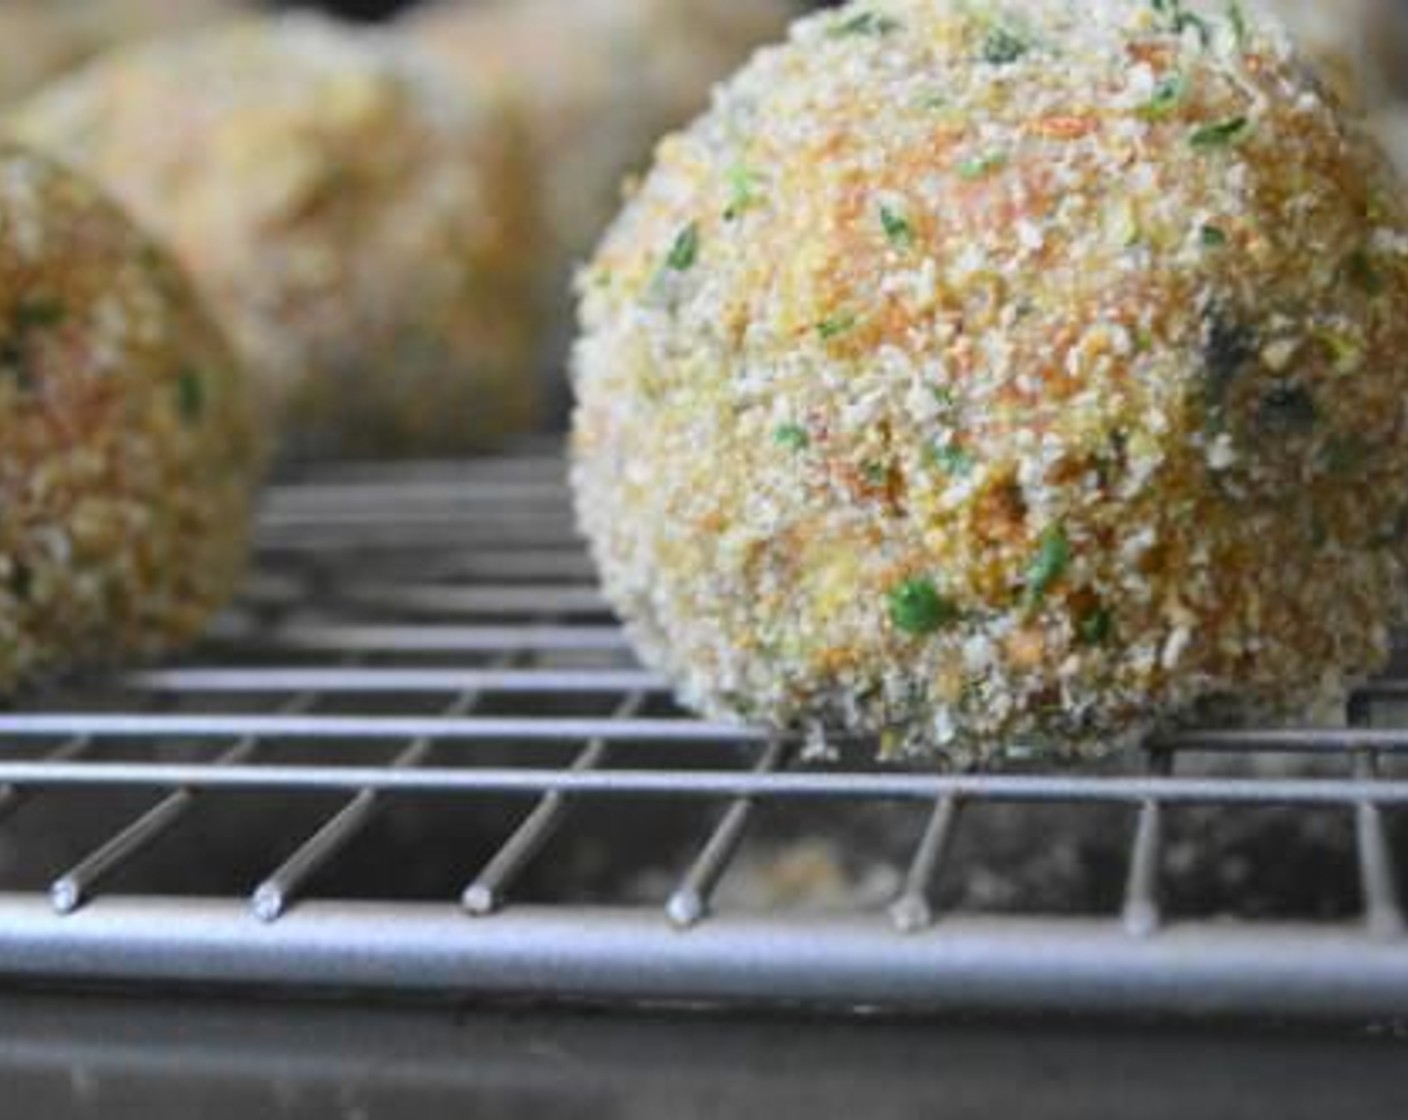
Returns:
(597,82)
(40,39)
(357,224)
(994,374)
(129,461)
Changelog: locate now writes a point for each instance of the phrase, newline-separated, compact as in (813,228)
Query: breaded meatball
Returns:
(598,82)
(356,224)
(985,373)
(40,39)
(129,460)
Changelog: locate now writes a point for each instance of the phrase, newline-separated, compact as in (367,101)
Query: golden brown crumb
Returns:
(129,460)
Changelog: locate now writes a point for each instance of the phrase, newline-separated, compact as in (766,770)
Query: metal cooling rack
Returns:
(428,639)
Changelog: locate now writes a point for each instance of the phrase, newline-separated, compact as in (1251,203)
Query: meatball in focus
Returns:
(975,374)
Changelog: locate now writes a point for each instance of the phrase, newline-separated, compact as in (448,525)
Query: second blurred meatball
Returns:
(40,39)
(598,81)
(360,227)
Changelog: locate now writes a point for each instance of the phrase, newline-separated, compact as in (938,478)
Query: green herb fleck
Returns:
(743,192)
(897,229)
(39,313)
(975,167)
(933,100)
(685,250)
(864,23)
(791,436)
(917,608)
(1170,93)
(835,326)
(876,474)
(1004,46)
(1238,19)
(1212,237)
(1053,557)
(190,395)
(1220,134)
(953,460)
(1178,19)
(1096,628)
(1363,273)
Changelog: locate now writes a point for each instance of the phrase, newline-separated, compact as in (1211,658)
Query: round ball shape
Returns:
(40,39)
(596,82)
(357,225)
(1015,373)
(128,460)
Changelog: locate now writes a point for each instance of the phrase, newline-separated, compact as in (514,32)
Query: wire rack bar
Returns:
(1010,964)
(276,893)
(486,894)
(913,910)
(334,638)
(278,679)
(715,784)
(70,890)
(689,904)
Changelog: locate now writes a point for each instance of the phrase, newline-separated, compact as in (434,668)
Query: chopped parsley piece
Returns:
(1170,93)
(897,229)
(952,459)
(685,250)
(834,326)
(743,192)
(1363,273)
(1221,134)
(876,474)
(1238,19)
(865,23)
(1053,557)
(1212,237)
(37,313)
(1004,46)
(933,101)
(1178,19)
(1096,628)
(190,395)
(944,395)
(917,608)
(975,167)
(791,436)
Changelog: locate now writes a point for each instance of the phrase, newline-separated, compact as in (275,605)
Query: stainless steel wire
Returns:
(443,617)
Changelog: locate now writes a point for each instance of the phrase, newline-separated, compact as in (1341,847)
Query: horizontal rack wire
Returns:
(426,639)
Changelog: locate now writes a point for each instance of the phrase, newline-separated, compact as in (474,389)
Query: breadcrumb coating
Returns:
(358,225)
(128,460)
(978,374)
